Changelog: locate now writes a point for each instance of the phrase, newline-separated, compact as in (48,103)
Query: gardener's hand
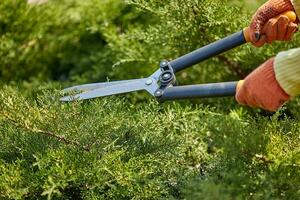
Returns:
(265,28)
(261,89)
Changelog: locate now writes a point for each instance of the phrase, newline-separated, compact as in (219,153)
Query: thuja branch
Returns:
(44,132)
(233,66)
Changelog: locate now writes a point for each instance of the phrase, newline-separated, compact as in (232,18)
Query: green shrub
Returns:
(110,148)
(94,40)
(58,39)
(185,25)
(116,148)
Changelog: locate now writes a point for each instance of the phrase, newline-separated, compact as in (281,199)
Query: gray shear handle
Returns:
(208,51)
(219,47)
(199,91)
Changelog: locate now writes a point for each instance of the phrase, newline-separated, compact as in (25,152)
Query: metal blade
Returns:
(121,87)
(93,86)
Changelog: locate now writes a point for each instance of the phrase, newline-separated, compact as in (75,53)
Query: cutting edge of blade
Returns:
(137,85)
(93,86)
(149,88)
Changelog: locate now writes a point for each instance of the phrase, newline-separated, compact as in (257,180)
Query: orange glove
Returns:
(261,89)
(265,28)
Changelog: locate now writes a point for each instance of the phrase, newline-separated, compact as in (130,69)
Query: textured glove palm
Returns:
(264,28)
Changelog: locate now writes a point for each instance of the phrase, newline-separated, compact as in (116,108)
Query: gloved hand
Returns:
(265,28)
(261,89)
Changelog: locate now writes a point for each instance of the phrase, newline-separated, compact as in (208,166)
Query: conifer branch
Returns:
(44,132)
(233,66)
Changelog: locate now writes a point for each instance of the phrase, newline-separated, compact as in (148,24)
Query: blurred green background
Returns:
(77,42)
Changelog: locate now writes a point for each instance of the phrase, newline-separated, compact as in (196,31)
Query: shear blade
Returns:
(93,86)
(111,88)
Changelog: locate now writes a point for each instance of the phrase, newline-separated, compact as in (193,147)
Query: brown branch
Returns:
(47,133)
(233,66)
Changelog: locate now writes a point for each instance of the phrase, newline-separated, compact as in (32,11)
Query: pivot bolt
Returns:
(164,64)
(166,76)
(149,82)
(158,93)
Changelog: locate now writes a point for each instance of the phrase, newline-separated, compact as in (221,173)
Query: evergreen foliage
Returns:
(95,40)
(58,39)
(112,149)
(121,148)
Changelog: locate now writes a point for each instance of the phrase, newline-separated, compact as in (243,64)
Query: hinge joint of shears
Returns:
(166,79)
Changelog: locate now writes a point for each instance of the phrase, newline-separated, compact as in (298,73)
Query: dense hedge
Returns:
(84,41)
(59,39)
(125,147)
(110,148)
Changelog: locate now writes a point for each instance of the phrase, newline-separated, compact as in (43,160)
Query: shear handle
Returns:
(217,47)
(199,91)
(208,51)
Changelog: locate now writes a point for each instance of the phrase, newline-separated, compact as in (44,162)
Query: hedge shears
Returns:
(161,84)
